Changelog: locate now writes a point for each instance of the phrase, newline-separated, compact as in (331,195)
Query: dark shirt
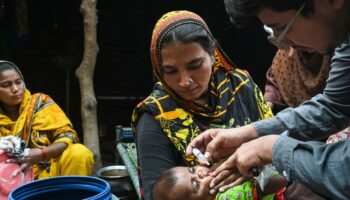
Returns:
(156,153)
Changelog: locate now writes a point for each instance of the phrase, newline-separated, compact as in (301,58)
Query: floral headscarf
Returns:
(234,99)
(165,24)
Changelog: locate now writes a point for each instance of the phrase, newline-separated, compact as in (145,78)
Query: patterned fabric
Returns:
(295,77)
(342,135)
(245,191)
(234,99)
(37,127)
(35,123)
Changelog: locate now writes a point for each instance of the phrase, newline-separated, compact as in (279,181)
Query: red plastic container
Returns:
(7,181)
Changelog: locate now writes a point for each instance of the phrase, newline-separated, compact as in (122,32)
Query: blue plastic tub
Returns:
(64,188)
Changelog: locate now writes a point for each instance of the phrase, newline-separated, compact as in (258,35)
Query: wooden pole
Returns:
(85,74)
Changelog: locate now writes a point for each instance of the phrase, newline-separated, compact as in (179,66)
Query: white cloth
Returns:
(12,143)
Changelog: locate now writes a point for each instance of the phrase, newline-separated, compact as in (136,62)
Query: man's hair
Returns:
(163,187)
(242,11)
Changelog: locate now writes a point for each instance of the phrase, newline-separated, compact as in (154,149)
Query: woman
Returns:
(294,77)
(43,126)
(198,88)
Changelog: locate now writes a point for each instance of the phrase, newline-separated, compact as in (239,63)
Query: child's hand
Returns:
(226,179)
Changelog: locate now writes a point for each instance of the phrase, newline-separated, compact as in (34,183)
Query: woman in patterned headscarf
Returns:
(294,77)
(43,126)
(198,88)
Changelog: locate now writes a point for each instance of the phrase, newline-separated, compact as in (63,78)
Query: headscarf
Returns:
(35,123)
(234,99)
(295,77)
(165,24)
(13,67)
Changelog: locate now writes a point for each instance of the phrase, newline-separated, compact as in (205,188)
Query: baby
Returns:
(180,183)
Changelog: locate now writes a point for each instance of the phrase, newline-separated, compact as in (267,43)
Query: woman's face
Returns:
(11,88)
(194,182)
(187,69)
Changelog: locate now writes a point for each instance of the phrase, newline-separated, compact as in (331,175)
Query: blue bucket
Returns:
(64,187)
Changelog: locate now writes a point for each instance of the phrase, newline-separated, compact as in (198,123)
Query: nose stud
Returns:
(190,81)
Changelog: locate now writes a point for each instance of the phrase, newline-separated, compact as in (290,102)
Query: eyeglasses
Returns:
(279,41)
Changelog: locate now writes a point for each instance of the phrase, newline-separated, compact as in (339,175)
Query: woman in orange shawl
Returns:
(43,126)
(198,88)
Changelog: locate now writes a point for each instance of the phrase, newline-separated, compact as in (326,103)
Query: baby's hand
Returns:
(226,179)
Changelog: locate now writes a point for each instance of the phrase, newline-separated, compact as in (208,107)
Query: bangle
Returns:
(43,153)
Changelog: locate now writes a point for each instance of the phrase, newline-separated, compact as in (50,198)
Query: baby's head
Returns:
(180,183)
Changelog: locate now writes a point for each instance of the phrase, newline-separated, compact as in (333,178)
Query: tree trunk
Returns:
(85,74)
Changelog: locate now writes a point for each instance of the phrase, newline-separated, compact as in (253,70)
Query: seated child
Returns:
(181,183)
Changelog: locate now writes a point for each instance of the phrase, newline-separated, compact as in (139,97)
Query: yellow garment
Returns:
(233,99)
(41,123)
(75,160)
